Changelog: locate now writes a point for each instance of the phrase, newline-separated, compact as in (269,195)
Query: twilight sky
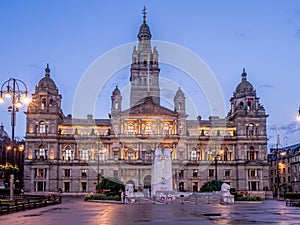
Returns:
(262,36)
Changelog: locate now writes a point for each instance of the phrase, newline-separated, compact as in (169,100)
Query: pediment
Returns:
(150,108)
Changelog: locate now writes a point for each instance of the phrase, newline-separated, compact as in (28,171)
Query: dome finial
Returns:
(244,75)
(144,13)
(47,70)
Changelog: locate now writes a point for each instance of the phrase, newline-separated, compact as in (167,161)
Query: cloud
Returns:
(289,128)
(266,86)
(298,32)
(34,66)
(240,34)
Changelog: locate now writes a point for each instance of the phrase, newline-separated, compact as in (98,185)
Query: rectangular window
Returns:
(66,186)
(211,173)
(252,173)
(83,186)
(195,173)
(67,173)
(227,173)
(69,154)
(116,155)
(181,174)
(41,186)
(84,155)
(84,173)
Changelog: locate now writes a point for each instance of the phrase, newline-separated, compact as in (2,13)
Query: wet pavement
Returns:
(74,210)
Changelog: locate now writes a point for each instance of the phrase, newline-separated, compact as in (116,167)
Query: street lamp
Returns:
(16,91)
(218,154)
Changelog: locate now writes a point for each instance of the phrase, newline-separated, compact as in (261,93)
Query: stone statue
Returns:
(129,190)
(225,195)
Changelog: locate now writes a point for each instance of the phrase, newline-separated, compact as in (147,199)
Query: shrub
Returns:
(210,186)
(292,195)
(248,198)
(101,197)
(113,184)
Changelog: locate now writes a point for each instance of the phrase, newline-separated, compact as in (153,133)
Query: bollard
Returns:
(153,200)
(196,200)
(182,196)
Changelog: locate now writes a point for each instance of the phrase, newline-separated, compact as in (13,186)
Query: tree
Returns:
(210,186)
(113,184)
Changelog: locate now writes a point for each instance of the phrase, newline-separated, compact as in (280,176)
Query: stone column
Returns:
(11,187)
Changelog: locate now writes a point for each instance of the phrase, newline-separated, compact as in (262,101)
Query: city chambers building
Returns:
(73,154)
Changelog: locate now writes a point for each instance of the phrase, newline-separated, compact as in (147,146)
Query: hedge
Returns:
(6,191)
(249,198)
(101,197)
(292,195)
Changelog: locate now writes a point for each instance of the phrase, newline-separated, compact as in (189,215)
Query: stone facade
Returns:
(72,153)
(284,169)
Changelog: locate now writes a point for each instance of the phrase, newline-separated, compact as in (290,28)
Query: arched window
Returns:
(130,128)
(250,129)
(43,103)
(42,127)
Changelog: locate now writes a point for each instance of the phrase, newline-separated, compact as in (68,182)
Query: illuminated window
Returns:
(43,103)
(166,128)
(84,155)
(69,154)
(42,153)
(42,127)
(195,173)
(148,129)
(194,154)
(130,154)
(84,173)
(130,128)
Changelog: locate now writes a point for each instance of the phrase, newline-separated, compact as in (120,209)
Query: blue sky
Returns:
(262,36)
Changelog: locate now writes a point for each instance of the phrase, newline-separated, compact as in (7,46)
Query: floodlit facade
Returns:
(284,169)
(73,154)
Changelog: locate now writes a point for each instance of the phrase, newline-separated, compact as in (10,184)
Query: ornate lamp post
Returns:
(16,91)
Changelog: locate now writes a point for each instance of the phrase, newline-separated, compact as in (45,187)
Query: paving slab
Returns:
(74,210)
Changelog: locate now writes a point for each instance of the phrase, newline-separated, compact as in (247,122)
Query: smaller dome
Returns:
(116,91)
(46,82)
(245,86)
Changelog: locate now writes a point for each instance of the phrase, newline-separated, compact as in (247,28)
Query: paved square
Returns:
(75,211)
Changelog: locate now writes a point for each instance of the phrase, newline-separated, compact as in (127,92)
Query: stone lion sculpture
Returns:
(129,190)
(225,195)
